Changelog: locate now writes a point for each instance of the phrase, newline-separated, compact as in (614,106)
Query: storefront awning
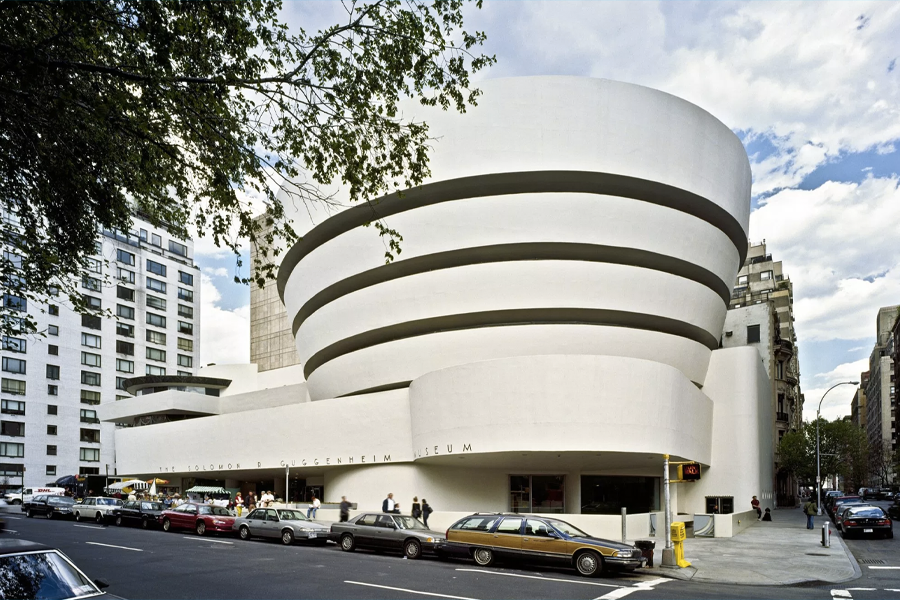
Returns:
(206,489)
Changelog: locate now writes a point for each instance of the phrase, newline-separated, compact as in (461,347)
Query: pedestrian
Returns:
(313,508)
(426,510)
(768,515)
(755,504)
(416,508)
(388,504)
(396,510)
(238,504)
(251,501)
(810,509)
(345,509)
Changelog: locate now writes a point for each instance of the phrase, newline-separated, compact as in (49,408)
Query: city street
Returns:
(155,564)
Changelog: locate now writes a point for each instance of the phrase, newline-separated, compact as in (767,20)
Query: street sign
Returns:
(689,472)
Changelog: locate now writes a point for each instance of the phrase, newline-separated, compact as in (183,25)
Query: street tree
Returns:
(843,452)
(180,110)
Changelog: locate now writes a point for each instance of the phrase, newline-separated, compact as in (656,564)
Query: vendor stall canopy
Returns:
(206,489)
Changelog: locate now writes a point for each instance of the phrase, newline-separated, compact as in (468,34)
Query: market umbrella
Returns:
(153,488)
(158,481)
(67,480)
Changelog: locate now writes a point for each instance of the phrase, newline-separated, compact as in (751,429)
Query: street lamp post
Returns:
(818,457)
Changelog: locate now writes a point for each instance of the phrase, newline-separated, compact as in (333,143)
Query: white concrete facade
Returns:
(555,312)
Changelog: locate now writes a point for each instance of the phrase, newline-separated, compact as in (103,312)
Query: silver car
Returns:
(384,532)
(97,508)
(283,523)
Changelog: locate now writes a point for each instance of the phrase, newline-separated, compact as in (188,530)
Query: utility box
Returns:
(679,533)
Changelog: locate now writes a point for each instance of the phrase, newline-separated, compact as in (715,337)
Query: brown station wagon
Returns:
(487,537)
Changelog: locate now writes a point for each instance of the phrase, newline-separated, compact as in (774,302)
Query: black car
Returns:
(49,506)
(30,570)
(866,520)
(138,512)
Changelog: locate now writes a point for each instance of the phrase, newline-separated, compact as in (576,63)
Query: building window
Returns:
(89,454)
(14,365)
(15,324)
(13,386)
(90,360)
(8,470)
(537,493)
(157,303)
(53,350)
(186,328)
(126,312)
(124,366)
(186,295)
(125,347)
(155,354)
(13,302)
(156,320)
(156,285)
(51,429)
(742,280)
(90,283)
(53,291)
(53,390)
(90,340)
(155,240)
(125,330)
(151,370)
(13,429)
(91,322)
(51,450)
(125,276)
(185,361)
(608,494)
(53,310)
(13,258)
(12,407)
(156,268)
(89,397)
(94,265)
(51,470)
(156,337)
(186,344)
(51,409)
(52,330)
(88,470)
(176,248)
(143,235)
(120,383)
(185,311)
(184,373)
(14,344)
(752,334)
(125,257)
(90,378)
(90,436)
(89,416)
(185,278)
(12,450)
(124,293)
(53,372)
(765,275)
(779,369)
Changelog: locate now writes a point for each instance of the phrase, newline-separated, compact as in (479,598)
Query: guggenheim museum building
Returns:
(551,329)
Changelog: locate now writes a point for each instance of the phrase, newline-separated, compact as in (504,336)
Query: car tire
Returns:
(200,528)
(145,523)
(16,502)
(99,519)
(483,557)
(118,521)
(78,517)
(589,563)
(29,513)
(244,532)
(412,549)
(890,534)
(348,544)
(287,537)
(167,525)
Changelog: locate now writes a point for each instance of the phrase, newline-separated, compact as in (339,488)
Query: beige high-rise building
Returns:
(880,398)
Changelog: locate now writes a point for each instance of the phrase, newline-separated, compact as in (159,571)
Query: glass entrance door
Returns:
(537,493)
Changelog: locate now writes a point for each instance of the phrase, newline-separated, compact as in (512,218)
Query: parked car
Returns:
(49,506)
(202,518)
(842,500)
(839,516)
(862,520)
(287,525)
(138,512)
(384,531)
(97,508)
(21,495)
(488,537)
(829,497)
(30,570)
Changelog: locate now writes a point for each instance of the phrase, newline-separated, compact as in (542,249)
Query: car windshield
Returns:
(865,512)
(151,506)
(61,500)
(214,510)
(291,515)
(42,575)
(567,528)
(408,523)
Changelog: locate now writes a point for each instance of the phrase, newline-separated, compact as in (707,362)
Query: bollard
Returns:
(826,535)
(624,520)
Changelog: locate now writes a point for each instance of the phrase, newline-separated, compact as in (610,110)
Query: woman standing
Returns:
(416,508)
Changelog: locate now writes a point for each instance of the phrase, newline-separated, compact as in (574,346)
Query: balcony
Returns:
(782,416)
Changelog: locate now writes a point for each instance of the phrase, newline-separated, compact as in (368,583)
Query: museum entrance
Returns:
(609,494)
(537,493)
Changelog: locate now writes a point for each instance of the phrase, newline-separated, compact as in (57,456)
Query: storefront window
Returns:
(608,494)
(537,493)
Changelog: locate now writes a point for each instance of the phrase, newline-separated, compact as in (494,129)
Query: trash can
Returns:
(646,547)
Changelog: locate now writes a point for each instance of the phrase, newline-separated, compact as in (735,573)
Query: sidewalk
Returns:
(781,552)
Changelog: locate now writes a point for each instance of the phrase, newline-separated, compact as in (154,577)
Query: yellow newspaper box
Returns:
(678,532)
(678,536)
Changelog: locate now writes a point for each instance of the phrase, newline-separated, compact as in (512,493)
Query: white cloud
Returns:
(224,334)
(837,402)
(216,272)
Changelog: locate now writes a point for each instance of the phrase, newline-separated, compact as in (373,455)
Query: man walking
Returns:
(388,504)
(810,509)
(345,509)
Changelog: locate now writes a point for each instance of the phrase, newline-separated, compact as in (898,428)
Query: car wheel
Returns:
(412,549)
(118,521)
(78,517)
(145,523)
(287,537)
(16,502)
(99,519)
(348,544)
(29,513)
(890,534)
(589,563)
(244,532)
(201,527)
(167,525)
(484,556)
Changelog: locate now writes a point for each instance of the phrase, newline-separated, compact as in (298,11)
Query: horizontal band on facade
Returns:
(399,385)
(501,184)
(508,318)
(516,252)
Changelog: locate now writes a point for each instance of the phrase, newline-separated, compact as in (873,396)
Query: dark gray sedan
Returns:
(382,531)
(281,523)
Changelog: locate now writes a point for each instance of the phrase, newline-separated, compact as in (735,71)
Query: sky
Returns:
(813,91)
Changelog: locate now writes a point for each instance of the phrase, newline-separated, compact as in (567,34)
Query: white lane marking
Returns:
(111,546)
(840,594)
(871,567)
(10,531)
(199,539)
(891,590)
(89,526)
(16,518)
(396,589)
(862,589)
(540,578)
(640,586)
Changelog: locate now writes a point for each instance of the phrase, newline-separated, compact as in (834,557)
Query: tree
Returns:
(175,109)
(797,454)
(843,452)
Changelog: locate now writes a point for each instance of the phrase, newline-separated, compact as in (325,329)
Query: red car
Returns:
(199,517)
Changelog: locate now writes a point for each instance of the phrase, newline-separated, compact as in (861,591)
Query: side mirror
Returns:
(101,583)
(552,534)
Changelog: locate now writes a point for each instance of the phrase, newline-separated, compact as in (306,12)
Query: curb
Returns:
(857,571)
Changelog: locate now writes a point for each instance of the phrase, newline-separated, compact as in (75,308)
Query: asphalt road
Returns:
(154,564)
